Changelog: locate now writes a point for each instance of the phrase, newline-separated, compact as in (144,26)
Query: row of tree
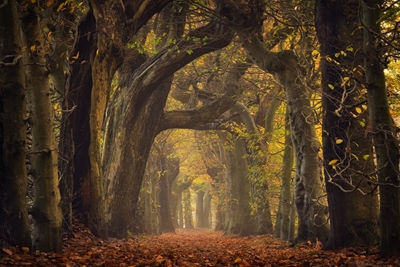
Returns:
(113,84)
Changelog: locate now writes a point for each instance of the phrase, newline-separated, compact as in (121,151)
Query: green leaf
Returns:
(331,86)
(366,156)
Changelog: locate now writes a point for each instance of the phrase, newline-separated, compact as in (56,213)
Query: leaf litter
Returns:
(192,248)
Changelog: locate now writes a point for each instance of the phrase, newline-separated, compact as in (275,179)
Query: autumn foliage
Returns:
(198,247)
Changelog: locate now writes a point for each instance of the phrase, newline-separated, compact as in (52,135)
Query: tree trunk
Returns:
(74,133)
(207,210)
(383,132)
(200,209)
(176,200)
(347,149)
(164,197)
(46,210)
(286,195)
(247,222)
(187,207)
(14,223)
(257,160)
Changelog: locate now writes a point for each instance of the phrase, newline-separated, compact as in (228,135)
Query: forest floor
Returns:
(198,247)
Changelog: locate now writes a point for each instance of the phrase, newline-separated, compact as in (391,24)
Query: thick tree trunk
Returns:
(347,149)
(248,224)
(14,223)
(74,133)
(384,134)
(46,210)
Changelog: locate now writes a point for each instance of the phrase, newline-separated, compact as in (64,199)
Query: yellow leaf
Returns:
(364,107)
(333,162)
(60,7)
(339,141)
(366,156)
(362,123)
(358,110)
(345,80)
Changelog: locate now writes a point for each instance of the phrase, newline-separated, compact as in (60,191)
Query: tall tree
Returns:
(285,67)
(383,132)
(14,224)
(77,128)
(347,149)
(46,210)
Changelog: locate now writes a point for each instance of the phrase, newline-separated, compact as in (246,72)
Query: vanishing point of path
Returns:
(199,247)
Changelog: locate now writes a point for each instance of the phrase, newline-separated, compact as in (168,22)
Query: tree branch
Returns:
(15,59)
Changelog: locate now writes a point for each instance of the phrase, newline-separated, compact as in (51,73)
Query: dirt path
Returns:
(197,247)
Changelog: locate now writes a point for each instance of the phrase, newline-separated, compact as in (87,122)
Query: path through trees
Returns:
(197,247)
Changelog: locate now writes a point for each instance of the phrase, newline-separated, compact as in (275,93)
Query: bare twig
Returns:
(16,58)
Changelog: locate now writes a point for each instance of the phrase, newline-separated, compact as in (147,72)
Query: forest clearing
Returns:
(193,248)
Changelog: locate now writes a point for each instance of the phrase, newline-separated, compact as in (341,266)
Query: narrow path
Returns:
(198,247)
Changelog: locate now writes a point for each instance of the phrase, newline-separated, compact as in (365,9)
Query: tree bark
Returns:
(46,210)
(285,201)
(347,150)
(14,221)
(383,132)
(74,133)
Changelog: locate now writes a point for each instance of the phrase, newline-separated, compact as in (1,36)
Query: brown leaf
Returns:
(7,251)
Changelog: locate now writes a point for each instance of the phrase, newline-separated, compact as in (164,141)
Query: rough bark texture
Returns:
(46,210)
(384,134)
(347,149)
(14,224)
(75,149)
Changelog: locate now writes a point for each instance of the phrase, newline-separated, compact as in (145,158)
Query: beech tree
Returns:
(313,222)
(14,222)
(383,131)
(347,149)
